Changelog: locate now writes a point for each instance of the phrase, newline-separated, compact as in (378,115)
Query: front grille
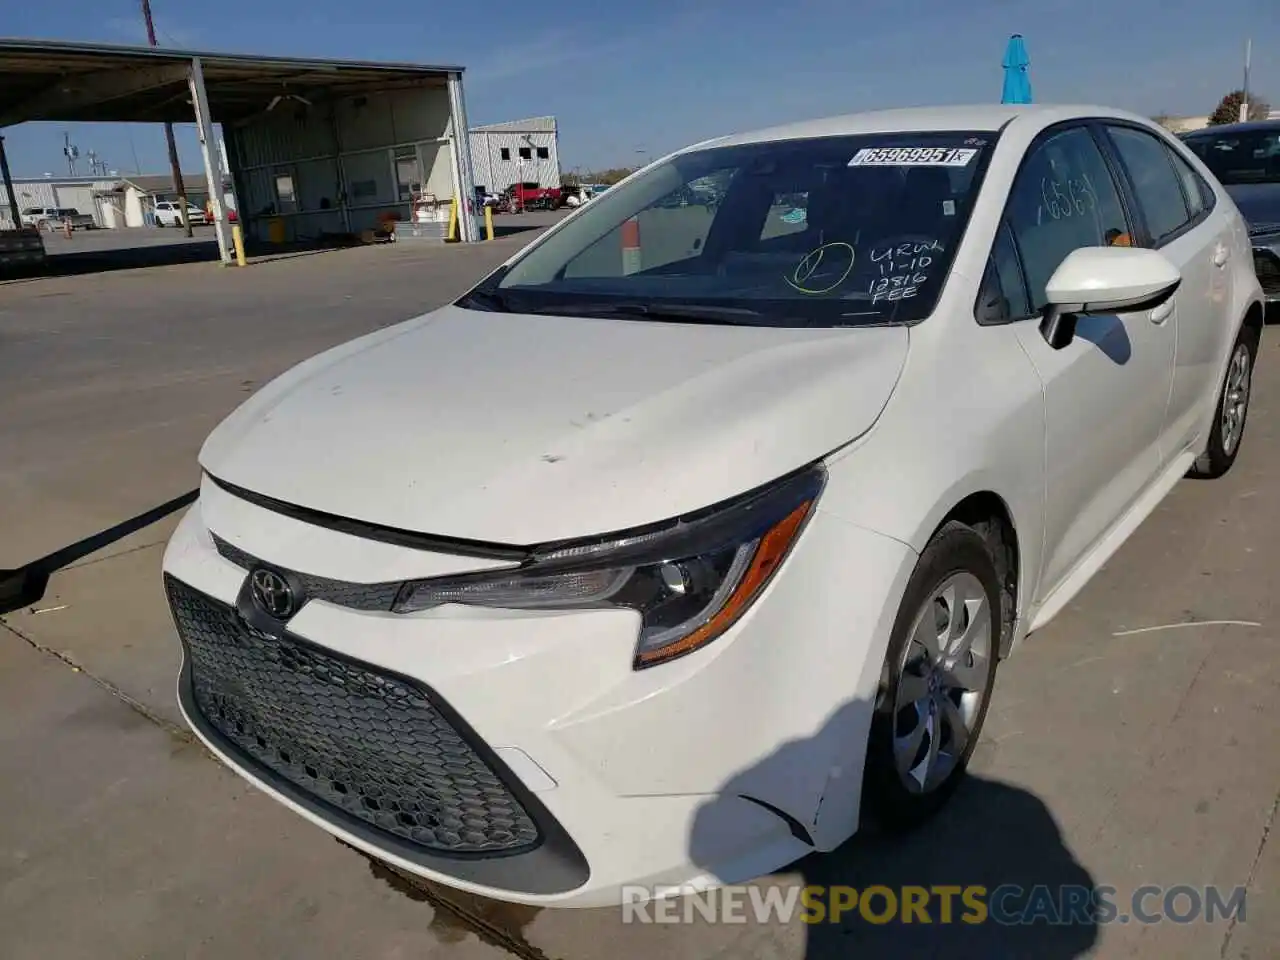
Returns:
(1267,268)
(370,744)
(357,596)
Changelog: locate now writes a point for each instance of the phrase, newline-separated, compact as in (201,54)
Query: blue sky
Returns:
(651,76)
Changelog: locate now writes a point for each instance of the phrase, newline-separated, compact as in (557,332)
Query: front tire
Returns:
(1229,416)
(936,681)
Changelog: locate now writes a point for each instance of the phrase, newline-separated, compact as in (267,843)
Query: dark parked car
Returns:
(1245,157)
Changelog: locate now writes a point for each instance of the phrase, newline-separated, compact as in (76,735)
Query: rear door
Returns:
(1176,216)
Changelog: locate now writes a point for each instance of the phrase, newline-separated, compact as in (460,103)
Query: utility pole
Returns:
(178,186)
(71,152)
(8,187)
(1244,101)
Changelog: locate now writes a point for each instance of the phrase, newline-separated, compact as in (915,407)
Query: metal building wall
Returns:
(52,192)
(341,158)
(496,173)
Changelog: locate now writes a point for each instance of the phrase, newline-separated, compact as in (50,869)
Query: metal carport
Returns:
(317,119)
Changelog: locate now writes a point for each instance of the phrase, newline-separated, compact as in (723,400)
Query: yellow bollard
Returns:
(453,219)
(237,239)
(488,222)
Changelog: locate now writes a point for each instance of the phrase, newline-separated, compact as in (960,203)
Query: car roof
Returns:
(1252,126)
(973,117)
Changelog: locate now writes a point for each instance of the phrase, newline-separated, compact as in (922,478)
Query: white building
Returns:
(112,201)
(80,193)
(518,151)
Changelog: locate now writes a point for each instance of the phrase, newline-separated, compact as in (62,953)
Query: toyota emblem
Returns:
(272,593)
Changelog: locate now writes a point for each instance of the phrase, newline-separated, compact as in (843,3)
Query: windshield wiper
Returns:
(694,312)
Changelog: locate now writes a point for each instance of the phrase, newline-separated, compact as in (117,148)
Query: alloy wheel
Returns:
(1235,398)
(942,680)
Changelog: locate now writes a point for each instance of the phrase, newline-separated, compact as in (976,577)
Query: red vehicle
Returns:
(530,196)
(208,213)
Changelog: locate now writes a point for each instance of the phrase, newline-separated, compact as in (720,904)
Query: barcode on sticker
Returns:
(913,157)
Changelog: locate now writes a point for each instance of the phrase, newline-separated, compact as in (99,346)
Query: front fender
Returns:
(952,431)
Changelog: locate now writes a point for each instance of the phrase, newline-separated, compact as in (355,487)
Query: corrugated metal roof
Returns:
(66,181)
(531,125)
(163,182)
(146,181)
(55,80)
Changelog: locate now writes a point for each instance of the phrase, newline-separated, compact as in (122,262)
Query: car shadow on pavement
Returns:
(512,229)
(126,258)
(1015,890)
(26,585)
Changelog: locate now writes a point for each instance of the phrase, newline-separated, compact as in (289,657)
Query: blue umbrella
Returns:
(1017,80)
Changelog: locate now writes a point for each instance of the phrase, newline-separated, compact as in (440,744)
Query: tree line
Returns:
(608,177)
(1228,110)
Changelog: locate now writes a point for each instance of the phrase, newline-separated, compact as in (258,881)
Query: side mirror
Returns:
(1104,280)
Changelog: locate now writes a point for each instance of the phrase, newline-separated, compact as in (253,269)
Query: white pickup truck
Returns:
(53,218)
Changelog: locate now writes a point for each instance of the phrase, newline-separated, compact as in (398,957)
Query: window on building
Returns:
(505,153)
(526,153)
(286,195)
(408,177)
(544,153)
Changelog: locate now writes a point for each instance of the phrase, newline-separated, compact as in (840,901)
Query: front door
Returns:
(1105,393)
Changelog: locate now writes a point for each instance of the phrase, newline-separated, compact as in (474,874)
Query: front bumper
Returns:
(517,755)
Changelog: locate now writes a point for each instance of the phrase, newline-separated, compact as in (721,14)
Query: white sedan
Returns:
(636,564)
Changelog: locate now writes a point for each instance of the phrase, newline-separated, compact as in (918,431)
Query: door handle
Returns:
(1162,313)
(1221,255)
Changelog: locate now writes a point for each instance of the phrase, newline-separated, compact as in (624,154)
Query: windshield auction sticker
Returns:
(913,157)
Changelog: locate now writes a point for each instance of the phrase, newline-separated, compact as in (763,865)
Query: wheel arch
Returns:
(990,515)
(1254,317)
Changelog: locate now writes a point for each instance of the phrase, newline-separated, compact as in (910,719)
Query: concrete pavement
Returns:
(1124,747)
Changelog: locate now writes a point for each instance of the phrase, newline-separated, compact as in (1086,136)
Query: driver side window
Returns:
(1064,198)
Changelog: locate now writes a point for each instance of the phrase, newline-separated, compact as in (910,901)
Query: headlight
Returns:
(690,579)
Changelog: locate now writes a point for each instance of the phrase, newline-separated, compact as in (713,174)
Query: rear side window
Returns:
(1155,182)
(1198,193)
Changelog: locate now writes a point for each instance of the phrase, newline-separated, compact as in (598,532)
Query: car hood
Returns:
(1259,203)
(522,429)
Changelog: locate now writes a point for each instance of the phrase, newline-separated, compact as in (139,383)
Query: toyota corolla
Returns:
(693,536)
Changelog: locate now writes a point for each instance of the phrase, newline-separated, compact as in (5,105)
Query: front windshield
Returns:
(1251,156)
(815,232)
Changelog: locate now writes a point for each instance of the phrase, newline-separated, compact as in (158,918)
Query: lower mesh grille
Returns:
(1268,271)
(370,744)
